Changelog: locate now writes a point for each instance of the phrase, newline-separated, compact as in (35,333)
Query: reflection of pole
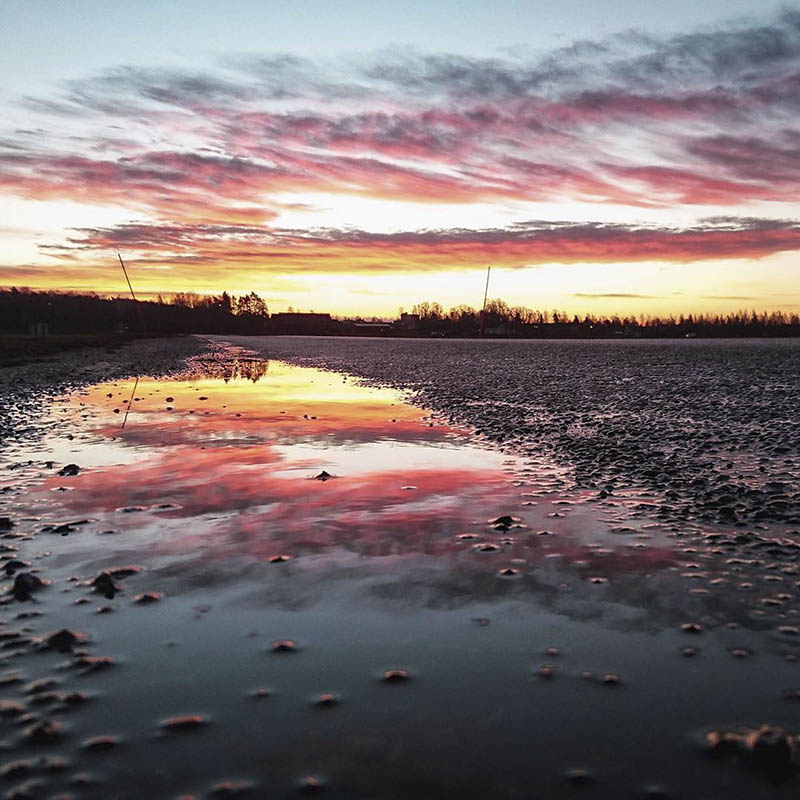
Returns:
(485,295)
(130,402)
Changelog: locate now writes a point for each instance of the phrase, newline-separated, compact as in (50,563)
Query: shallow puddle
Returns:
(329,590)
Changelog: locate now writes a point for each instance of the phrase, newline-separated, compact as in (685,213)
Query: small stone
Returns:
(100,743)
(225,789)
(721,743)
(506,521)
(310,784)
(691,627)
(579,777)
(10,709)
(546,671)
(16,769)
(395,676)
(284,646)
(327,700)
(323,476)
(146,598)
(92,663)
(69,471)
(41,685)
(508,572)
(44,732)
(188,722)
(279,559)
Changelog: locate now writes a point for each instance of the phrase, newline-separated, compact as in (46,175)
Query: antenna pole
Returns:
(125,272)
(485,296)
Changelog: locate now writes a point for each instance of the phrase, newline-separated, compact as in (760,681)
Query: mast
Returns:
(129,280)
(485,296)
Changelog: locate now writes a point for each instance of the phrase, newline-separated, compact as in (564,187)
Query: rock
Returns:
(284,646)
(63,640)
(323,476)
(104,584)
(25,584)
(69,471)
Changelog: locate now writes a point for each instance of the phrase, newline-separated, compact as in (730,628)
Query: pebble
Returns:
(395,676)
(187,722)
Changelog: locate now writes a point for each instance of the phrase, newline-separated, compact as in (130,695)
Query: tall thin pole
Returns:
(485,296)
(129,280)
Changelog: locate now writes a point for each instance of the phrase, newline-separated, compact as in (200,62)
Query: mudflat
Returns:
(274,566)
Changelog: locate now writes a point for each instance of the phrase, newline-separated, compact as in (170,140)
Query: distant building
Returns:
(409,321)
(297,322)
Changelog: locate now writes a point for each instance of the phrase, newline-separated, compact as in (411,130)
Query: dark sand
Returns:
(429,617)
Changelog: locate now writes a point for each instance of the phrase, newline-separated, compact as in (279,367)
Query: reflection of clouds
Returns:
(242,493)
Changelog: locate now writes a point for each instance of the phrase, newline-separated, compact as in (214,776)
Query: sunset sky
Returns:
(357,157)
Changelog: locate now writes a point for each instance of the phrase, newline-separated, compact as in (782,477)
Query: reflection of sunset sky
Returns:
(234,473)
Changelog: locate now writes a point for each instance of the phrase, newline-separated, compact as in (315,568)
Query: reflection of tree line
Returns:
(251,369)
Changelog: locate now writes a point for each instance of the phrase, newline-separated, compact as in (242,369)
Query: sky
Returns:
(360,157)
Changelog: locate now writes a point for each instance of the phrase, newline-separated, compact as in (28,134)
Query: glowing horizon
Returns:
(639,171)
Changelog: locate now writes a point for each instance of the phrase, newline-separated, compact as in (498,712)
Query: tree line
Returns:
(500,319)
(25,311)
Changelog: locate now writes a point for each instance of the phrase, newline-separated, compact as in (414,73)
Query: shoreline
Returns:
(26,388)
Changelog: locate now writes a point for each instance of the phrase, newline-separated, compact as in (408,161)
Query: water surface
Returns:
(214,488)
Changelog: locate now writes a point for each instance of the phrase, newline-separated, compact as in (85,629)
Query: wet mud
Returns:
(254,579)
